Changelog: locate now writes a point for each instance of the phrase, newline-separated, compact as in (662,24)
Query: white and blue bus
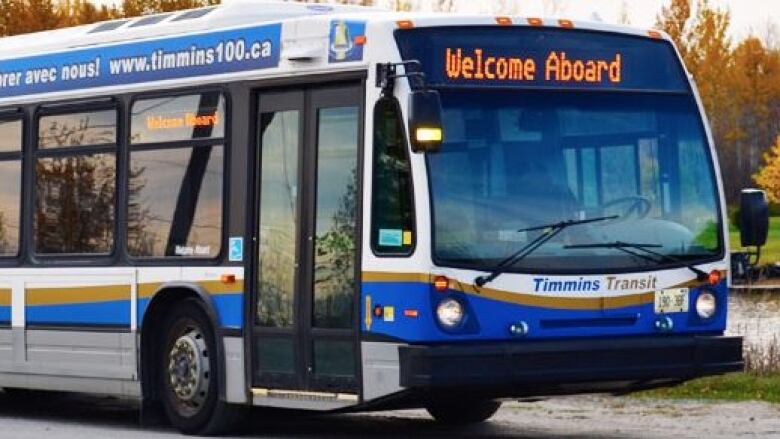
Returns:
(341,209)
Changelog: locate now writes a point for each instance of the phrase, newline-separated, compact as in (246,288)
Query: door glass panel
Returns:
(275,355)
(278,217)
(334,358)
(334,247)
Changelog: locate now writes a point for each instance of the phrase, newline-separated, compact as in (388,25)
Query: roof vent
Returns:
(151,19)
(195,13)
(107,26)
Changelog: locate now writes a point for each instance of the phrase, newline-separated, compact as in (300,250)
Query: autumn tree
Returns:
(25,16)
(77,12)
(673,19)
(769,176)
(134,8)
(755,97)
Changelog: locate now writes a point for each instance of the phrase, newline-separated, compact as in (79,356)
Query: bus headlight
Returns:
(449,312)
(706,305)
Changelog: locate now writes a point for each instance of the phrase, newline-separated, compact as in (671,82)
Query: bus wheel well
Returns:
(151,337)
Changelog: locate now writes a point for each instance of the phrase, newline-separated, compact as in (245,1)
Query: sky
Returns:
(748,16)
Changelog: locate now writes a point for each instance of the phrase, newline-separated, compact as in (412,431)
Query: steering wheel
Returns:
(639,204)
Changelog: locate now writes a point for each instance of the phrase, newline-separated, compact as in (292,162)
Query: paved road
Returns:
(64,417)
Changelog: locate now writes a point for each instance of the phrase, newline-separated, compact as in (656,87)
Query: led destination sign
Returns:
(160,122)
(556,67)
(542,58)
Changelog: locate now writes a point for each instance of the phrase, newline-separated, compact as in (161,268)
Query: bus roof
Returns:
(238,40)
(233,13)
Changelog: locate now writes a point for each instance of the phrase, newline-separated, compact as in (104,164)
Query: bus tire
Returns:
(462,412)
(189,371)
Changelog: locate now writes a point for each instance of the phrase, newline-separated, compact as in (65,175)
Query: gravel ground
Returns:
(86,417)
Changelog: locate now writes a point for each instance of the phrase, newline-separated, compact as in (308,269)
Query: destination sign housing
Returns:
(522,56)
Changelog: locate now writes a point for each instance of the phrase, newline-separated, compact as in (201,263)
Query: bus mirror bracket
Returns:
(387,73)
(425,113)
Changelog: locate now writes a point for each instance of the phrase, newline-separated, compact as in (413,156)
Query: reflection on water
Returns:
(755,316)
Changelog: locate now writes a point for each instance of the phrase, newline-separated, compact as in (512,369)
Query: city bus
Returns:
(340,209)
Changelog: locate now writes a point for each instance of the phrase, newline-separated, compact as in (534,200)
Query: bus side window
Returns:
(10,186)
(392,209)
(176,172)
(75,182)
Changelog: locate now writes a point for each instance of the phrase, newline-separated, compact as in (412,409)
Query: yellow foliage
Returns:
(768,177)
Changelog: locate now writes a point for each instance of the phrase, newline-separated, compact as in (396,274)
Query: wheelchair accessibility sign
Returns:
(236,249)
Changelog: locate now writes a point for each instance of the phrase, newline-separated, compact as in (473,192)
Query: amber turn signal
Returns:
(714,277)
(441,283)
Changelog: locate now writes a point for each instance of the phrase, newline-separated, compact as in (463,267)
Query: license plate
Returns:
(672,300)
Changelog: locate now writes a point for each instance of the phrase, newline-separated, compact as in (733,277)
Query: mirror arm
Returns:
(387,73)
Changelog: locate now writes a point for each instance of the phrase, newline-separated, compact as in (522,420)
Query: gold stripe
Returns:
(216,287)
(80,294)
(105,293)
(582,303)
(147,290)
(213,287)
(5,297)
(383,276)
(572,303)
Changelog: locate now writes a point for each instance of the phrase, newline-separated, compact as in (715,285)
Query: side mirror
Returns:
(425,121)
(753,217)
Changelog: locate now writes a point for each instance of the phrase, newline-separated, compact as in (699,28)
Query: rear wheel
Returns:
(463,412)
(188,374)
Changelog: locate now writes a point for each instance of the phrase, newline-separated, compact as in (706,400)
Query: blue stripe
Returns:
(489,319)
(229,308)
(116,312)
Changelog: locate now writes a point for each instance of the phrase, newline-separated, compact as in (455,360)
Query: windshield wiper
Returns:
(550,230)
(643,251)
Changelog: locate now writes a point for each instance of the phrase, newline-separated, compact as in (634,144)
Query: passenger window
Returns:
(75,189)
(175,202)
(77,129)
(392,208)
(175,188)
(10,186)
(10,135)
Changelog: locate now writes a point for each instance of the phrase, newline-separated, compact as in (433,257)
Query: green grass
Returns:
(771,251)
(730,387)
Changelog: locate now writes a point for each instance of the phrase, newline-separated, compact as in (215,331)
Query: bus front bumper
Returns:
(536,368)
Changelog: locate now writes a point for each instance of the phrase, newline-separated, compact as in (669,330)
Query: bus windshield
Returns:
(515,159)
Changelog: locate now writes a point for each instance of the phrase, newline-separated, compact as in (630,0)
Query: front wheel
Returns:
(463,412)
(189,371)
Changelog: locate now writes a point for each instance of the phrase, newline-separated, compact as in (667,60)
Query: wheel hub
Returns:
(188,369)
